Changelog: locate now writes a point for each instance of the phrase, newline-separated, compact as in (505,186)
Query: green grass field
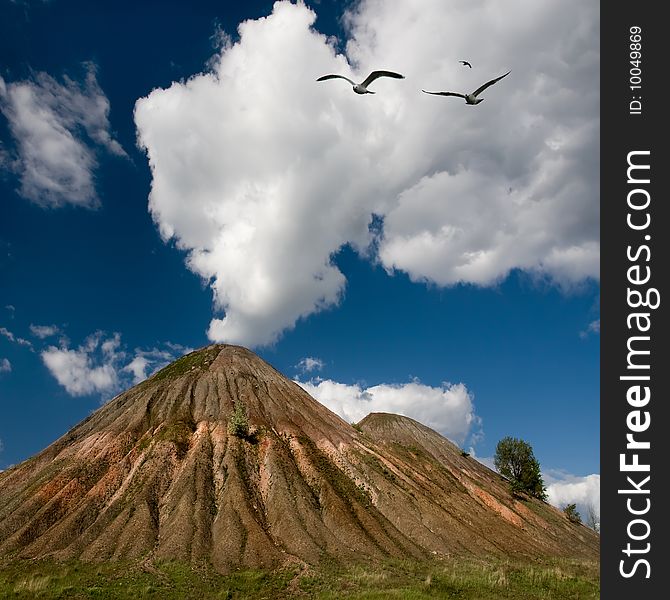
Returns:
(449,578)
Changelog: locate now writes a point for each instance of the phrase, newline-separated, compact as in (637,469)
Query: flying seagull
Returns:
(470,98)
(465,63)
(362,88)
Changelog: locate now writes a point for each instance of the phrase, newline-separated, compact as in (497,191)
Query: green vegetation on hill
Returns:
(179,433)
(197,359)
(465,579)
(238,423)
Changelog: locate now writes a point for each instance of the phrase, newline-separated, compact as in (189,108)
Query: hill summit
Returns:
(159,473)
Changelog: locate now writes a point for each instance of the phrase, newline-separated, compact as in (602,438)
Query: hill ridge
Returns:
(155,473)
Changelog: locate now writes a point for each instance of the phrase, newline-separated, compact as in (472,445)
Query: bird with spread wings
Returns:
(362,88)
(470,98)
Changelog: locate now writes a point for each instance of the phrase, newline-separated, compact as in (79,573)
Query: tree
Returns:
(572,513)
(238,423)
(592,518)
(515,460)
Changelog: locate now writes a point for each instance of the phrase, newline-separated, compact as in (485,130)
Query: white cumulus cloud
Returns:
(55,160)
(5,365)
(102,365)
(91,368)
(138,368)
(448,409)
(262,175)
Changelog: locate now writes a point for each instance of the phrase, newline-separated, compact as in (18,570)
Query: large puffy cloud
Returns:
(262,175)
(448,409)
(511,183)
(55,160)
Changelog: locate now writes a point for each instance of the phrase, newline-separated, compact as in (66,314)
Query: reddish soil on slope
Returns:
(155,474)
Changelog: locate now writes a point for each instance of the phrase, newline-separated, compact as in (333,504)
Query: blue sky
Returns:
(168,180)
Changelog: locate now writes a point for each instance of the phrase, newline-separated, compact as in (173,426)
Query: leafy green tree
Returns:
(515,460)
(238,424)
(571,512)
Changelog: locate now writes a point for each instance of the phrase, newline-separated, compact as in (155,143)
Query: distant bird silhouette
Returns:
(470,98)
(465,63)
(362,88)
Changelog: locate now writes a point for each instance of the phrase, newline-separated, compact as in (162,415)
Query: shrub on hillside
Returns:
(238,424)
(571,512)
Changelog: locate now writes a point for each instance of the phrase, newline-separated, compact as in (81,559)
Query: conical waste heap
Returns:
(159,472)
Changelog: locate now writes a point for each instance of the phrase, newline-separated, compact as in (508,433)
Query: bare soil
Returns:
(155,475)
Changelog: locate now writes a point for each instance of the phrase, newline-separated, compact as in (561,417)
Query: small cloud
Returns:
(178,349)
(8,334)
(146,362)
(86,370)
(15,339)
(57,128)
(10,307)
(5,365)
(309,364)
(592,329)
(110,346)
(138,368)
(44,331)
(100,364)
